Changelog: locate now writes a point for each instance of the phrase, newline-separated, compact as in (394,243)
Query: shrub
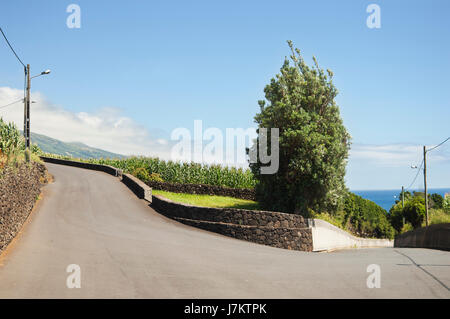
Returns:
(35,149)
(142,174)
(361,217)
(155,177)
(407,227)
(446,203)
(366,218)
(396,216)
(414,211)
(437,200)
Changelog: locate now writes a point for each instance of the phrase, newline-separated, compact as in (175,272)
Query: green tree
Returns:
(414,211)
(437,200)
(313,142)
(407,195)
(396,216)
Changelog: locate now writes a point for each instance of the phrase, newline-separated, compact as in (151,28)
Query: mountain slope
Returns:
(74,149)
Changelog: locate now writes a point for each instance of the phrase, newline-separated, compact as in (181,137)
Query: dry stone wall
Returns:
(268,228)
(19,190)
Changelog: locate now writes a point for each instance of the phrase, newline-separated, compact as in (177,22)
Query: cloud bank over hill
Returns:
(106,128)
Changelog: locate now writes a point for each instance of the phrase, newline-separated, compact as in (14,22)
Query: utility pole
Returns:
(25,108)
(26,121)
(403,203)
(403,197)
(425,181)
(27,101)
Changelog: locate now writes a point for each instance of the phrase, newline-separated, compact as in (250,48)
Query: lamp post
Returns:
(26,120)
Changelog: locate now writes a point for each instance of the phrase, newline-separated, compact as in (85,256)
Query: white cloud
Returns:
(107,128)
(389,166)
(394,155)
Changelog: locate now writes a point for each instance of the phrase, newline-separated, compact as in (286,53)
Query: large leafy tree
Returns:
(313,142)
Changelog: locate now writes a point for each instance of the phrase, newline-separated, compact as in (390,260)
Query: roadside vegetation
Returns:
(147,168)
(361,217)
(208,200)
(12,147)
(411,213)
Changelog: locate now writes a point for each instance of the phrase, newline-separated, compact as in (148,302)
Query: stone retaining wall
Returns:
(268,228)
(97,167)
(19,189)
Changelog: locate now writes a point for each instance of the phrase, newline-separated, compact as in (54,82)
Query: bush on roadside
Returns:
(396,216)
(155,177)
(414,211)
(142,174)
(366,218)
(360,217)
(407,227)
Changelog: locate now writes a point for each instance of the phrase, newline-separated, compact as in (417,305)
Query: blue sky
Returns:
(159,65)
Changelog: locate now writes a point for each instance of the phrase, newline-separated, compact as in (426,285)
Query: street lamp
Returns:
(42,73)
(26,120)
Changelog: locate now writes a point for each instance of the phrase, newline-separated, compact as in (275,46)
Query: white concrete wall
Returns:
(329,237)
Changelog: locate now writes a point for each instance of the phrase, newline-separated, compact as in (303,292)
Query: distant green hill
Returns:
(74,149)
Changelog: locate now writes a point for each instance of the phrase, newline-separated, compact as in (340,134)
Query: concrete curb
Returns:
(138,187)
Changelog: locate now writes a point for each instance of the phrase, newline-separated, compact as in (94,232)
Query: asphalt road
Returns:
(127,250)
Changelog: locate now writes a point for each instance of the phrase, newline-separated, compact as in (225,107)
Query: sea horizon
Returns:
(387,197)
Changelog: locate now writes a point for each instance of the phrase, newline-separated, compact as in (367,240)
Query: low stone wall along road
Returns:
(125,249)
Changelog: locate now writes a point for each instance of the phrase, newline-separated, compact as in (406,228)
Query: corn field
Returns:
(11,141)
(182,173)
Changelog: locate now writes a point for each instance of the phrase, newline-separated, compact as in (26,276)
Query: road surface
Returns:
(127,250)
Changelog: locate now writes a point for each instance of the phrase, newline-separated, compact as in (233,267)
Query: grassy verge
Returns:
(208,200)
(435,216)
(438,216)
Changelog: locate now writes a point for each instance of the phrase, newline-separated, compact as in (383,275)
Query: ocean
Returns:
(387,198)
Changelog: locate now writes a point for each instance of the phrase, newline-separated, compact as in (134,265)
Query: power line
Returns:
(21,100)
(448,138)
(10,46)
(418,171)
